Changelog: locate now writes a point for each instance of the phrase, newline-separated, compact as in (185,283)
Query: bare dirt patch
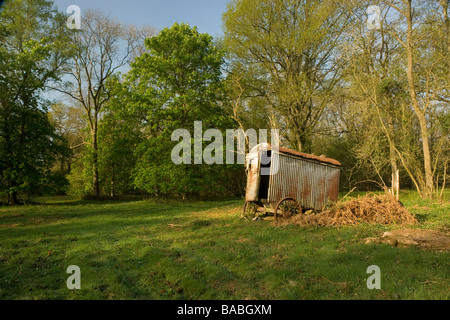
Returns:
(428,239)
(9,225)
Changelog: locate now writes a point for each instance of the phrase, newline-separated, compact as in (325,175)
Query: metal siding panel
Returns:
(321,189)
(312,184)
(274,189)
(299,176)
(293,180)
(313,175)
(323,186)
(335,184)
(274,167)
(300,182)
(314,189)
(282,177)
(306,184)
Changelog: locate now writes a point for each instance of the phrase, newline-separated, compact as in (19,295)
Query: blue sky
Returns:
(205,14)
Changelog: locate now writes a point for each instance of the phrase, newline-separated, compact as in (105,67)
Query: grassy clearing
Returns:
(202,250)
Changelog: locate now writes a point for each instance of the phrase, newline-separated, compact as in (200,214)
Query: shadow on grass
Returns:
(101,218)
(150,250)
(421,218)
(77,201)
(141,257)
(127,254)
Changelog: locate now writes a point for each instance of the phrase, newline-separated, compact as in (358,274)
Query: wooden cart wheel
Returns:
(287,208)
(250,211)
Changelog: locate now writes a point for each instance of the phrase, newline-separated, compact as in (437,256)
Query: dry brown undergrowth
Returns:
(371,208)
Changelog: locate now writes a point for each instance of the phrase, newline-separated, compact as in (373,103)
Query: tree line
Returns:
(92,111)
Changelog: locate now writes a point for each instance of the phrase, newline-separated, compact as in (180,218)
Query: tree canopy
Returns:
(374,96)
(31,55)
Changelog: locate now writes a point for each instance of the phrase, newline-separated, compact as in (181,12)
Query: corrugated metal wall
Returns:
(312,184)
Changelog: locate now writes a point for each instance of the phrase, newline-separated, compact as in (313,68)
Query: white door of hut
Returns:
(253,177)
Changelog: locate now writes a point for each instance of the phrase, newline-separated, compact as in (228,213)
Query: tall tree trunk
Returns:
(393,157)
(419,112)
(12,198)
(445,4)
(95,181)
(112,190)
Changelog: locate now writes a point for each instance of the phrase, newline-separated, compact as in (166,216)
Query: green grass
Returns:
(202,250)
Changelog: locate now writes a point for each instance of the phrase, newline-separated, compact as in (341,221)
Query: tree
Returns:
(119,135)
(31,55)
(377,91)
(288,51)
(424,84)
(69,123)
(433,53)
(101,48)
(176,82)
(378,113)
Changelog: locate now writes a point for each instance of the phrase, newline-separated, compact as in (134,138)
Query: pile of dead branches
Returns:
(371,209)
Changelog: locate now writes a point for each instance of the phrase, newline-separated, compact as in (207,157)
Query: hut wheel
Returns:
(287,208)
(250,211)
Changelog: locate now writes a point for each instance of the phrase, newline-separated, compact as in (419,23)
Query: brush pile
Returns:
(371,209)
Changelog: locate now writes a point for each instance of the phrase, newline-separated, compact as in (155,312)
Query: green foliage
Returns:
(176,82)
(29,60)
(307,68)
(80,176)
(285,52)
(119,136)
(178,79)
(55,183)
